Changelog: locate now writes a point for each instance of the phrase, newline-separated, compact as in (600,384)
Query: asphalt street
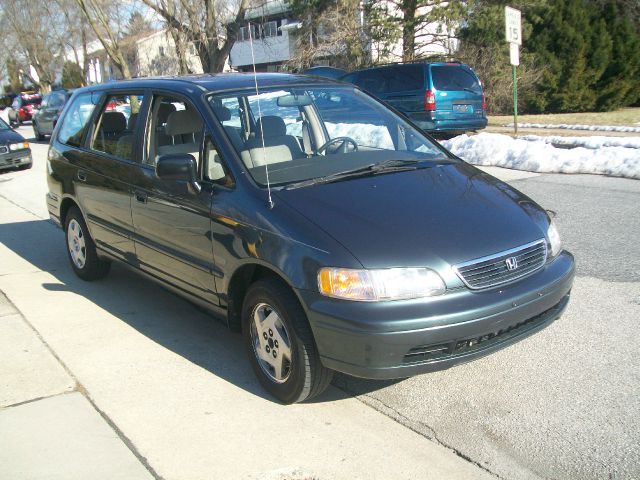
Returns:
(563,404)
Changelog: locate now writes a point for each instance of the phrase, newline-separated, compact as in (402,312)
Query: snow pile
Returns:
(587,142)
(564,126)
(490,149)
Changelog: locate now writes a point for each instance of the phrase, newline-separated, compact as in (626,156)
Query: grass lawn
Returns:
(626,117)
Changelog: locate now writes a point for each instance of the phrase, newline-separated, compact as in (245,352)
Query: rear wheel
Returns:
(81,249)
(280,343)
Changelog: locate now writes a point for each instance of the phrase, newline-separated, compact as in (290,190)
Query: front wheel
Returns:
(280,343)
(81,249)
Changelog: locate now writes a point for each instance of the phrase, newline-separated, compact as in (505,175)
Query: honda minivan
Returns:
(437,97)
(329,230)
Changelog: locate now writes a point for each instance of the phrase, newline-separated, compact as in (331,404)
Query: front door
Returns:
(171,219)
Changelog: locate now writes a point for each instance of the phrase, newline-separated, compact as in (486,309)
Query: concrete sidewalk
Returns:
(48,429)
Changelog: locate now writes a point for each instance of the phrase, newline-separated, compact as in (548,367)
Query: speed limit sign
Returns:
(513,25)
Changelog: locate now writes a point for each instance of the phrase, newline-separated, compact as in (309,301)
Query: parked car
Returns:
(326,72)
(23,107)
(438,97)
(333,233)
(46,116)
(14,150)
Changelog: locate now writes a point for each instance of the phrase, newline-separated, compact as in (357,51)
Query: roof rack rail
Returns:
(429,59)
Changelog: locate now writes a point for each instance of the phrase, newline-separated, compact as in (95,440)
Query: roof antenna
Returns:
(264,150)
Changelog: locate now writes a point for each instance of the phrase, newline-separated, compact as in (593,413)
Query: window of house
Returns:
(270,29)
(243,33)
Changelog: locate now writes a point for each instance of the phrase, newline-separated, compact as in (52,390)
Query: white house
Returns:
(273,31)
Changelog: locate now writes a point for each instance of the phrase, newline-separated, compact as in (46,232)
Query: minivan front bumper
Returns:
(399,339)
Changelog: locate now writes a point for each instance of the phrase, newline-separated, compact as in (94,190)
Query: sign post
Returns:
(513,31)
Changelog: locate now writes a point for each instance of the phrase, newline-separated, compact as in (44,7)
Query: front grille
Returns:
(462,346)
(4,149)
(503,267)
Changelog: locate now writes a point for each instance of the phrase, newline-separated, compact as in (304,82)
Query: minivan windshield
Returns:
(310,135)
(3,125)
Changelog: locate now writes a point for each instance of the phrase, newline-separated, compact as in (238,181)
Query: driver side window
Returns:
(176,127)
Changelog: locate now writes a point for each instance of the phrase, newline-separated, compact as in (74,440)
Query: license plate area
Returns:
(462,108)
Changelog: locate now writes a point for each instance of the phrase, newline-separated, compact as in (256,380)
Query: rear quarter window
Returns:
(451,78)
(393,79)
(76,119)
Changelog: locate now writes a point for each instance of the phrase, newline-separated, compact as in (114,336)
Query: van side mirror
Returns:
(179,167)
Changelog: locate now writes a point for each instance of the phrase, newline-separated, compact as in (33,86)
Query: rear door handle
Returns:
(141,197)
(82,176)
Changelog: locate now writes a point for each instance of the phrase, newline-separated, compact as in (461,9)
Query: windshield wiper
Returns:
(385,166)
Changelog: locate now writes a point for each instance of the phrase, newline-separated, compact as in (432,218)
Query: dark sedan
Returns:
(46,116)
(14,149)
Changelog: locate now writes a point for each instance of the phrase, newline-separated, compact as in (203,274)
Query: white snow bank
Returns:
(587,142)
(593,128)
(490,149)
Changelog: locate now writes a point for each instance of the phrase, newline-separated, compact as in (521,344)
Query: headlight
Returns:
(555,244)
(18,146)
(379,285)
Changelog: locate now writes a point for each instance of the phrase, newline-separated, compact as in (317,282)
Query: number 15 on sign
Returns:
(513,25)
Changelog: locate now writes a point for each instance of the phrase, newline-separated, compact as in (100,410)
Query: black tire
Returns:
(82,252)
(303,376)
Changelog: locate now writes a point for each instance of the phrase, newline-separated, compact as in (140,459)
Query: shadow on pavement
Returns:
(165,318)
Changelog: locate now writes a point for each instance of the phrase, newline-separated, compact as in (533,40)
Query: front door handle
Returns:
(82,176)
(141,197)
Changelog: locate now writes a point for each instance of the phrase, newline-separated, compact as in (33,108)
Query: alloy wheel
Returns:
(271,343)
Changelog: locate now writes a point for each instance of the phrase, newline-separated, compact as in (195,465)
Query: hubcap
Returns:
(75,241)
(271,343)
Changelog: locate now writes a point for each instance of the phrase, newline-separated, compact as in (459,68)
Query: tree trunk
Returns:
(409,8)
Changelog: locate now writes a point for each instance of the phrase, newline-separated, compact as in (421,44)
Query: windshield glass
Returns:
(3,125)
(307,133)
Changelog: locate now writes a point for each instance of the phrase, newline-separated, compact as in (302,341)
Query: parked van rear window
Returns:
(454,78)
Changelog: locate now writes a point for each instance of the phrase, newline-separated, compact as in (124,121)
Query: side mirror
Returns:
(179,167)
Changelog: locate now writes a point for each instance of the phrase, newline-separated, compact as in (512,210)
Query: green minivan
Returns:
(437,97)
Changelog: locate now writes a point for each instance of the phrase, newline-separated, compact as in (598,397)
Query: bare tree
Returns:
(101,14)
(211,26)
(34,39)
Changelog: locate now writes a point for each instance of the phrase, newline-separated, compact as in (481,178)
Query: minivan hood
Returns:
(434,217)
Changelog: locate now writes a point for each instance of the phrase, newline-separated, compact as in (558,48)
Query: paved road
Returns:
(562,404)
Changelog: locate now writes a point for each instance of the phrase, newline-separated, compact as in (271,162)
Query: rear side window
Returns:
(76,120)
(393,79)
(454,78)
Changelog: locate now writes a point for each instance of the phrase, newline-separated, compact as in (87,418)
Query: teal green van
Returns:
(437,97)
